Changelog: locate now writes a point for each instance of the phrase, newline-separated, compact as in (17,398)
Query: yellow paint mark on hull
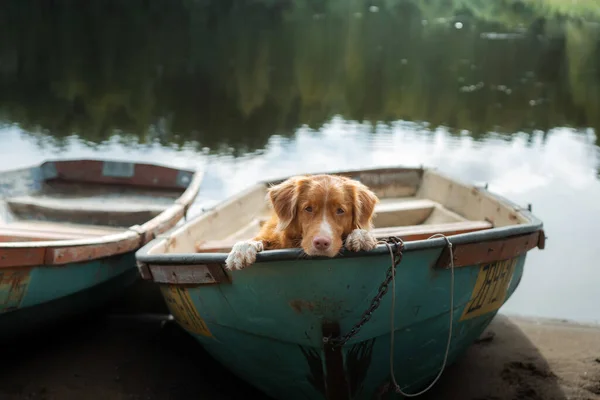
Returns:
(183,309)
(490,290)
(13,286)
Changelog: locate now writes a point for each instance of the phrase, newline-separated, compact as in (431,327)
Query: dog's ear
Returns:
(284,200)
(364,206)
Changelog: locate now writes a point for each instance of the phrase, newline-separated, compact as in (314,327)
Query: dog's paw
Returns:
(360,239)
(243,254)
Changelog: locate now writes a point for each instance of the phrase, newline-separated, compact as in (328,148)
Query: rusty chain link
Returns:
(383,288)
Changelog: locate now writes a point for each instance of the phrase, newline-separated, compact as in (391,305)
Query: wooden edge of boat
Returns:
(114,172)
(474,241)
(59,245)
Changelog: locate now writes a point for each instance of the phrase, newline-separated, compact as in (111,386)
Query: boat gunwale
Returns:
(532,225)
(130,239)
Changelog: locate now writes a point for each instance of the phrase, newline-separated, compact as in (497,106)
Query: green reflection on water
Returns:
(232,73)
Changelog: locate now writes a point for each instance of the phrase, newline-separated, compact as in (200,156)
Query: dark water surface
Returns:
(499,91)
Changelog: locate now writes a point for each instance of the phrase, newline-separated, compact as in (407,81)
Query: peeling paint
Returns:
(13,286)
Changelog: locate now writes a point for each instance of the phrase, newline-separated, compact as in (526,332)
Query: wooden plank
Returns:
(247,231)
(389,205)
(217,222)
(418,232)
(94,171)
(385,182)
(406,233)
(40,204)
(61,228)
(102,214)
(189,274)
(21,257)
(410,212)
(489,251)
(17,235)
(113,245)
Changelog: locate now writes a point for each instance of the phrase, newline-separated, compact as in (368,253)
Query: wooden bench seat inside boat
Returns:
(42,231)
(82,211)
(408,218)
(406,233)
(409,211)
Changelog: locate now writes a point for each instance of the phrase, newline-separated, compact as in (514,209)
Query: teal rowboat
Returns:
(69,230)
(315,328)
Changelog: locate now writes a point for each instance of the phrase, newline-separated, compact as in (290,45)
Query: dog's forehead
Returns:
(324,186)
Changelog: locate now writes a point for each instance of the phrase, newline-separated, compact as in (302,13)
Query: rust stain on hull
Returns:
(317,307)
(299,305)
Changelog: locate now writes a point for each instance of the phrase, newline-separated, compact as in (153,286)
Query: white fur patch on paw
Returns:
(243,254)
(360,239)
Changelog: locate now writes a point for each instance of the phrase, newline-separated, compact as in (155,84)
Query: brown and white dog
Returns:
(316,213)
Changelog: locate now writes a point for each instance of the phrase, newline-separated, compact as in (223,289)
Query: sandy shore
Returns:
(115,358)
(519,358)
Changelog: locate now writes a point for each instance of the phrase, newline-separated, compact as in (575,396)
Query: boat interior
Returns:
(54,209)
(414,204)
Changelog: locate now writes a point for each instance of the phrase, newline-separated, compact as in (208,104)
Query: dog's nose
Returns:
(321,243)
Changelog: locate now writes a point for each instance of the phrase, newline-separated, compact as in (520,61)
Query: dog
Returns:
(317,213)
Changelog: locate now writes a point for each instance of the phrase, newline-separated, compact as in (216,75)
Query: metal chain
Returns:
(383,288)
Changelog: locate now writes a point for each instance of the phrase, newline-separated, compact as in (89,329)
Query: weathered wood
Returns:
(219,222)
(21,257)
(385,182)
(75,230)
(106,213)
(103,247)
(542,240)
(404,212)
(488,251)
(419,232)
(406,233)
(17,235)
(107,226)
(141,175)
(189,274)
(467,201)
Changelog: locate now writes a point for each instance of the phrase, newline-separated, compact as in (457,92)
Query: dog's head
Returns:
(321,210)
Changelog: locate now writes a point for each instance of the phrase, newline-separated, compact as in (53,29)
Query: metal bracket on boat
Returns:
(383,289)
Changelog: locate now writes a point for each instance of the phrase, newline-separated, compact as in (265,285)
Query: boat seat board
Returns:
(390,214)
(93,205)
(406,211)
(41,230)
(117,213)
(406,233)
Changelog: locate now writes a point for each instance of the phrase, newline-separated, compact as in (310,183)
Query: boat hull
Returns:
(60,259)
(35,297)
(273,323)
(268,326)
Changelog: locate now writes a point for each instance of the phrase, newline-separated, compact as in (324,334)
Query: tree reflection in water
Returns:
(230,74)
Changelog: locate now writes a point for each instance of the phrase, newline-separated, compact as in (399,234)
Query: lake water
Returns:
(499,91)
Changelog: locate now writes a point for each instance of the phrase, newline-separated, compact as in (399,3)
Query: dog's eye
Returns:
(308,209)
(339,211)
